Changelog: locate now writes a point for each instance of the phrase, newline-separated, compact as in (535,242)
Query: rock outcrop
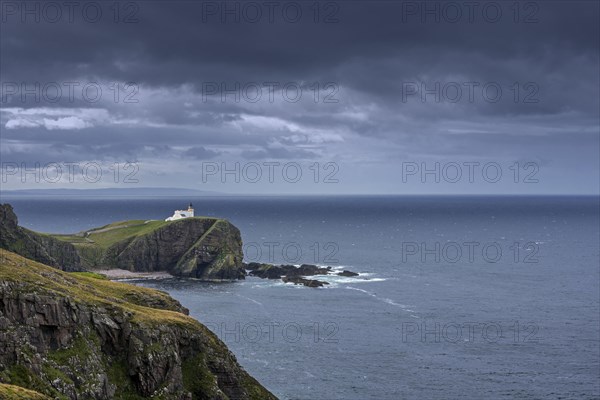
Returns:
(73,336)
(209,249)
(36,246)
(297,280)
(293,274)
(270,271)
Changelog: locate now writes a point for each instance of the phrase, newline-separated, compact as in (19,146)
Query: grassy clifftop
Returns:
(200,247)
(11,392)
(74,335)
(105,236)
(143,304)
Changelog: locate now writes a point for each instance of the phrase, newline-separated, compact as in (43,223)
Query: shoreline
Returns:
(118,274)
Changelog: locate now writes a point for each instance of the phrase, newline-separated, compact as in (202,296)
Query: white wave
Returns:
(361,290)
(392,302)
(382,299)
(252,300)
(349,279)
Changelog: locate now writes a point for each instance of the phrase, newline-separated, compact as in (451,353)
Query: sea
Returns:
(491,297)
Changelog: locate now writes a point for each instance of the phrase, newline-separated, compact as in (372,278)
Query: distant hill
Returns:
(138,192)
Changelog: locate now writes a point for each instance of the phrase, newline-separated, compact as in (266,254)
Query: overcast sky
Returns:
(356,96)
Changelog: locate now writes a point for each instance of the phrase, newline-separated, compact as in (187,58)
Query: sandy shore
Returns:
(114,274)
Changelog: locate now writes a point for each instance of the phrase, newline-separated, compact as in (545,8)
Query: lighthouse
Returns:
(180,214)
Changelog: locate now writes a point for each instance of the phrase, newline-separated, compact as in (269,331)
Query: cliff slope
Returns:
(11,392)
(35,246)
(74,336)
(203,248)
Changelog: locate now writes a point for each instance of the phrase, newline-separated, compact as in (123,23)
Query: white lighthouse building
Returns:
(179,214)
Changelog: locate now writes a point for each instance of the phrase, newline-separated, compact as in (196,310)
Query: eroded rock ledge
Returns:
(36,246)
(74,336)
(208,249)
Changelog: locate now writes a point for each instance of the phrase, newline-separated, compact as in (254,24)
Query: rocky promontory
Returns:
(204,248)
(76,336)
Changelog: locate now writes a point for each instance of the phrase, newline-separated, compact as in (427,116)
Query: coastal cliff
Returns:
(77,336)
(209,249)
(202,248)
(36,246)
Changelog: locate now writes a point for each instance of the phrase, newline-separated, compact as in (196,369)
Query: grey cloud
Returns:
(371,55)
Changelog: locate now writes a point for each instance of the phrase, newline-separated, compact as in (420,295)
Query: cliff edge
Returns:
(200,247)
(36,246)
(76,336)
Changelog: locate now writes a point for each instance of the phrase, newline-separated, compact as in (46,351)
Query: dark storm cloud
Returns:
(173,36)
(179,53)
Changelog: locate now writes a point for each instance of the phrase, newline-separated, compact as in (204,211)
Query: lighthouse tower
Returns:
(179,214)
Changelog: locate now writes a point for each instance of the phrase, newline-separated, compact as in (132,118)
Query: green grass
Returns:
(86,289)
(12,392)
(145,308)
(123,230)
(52,373)
(107,235)
(196,377)
(70,238)
(93,244)
(88,274)
(20,376)
(78,349)
(118,375)
(141,302)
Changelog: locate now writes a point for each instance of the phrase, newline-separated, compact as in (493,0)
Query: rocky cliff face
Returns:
(35,246)
(203,248)
(70,336)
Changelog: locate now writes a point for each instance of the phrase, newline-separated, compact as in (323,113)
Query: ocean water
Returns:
(457,297)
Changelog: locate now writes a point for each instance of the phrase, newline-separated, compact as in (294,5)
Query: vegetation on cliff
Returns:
(72,336)
(12,392)
(201,247)
(35,246)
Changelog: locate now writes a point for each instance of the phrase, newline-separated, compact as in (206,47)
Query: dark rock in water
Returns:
(293,274)
(296,280)
(310,269)
(252,266)
(269,271)
(347,273)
